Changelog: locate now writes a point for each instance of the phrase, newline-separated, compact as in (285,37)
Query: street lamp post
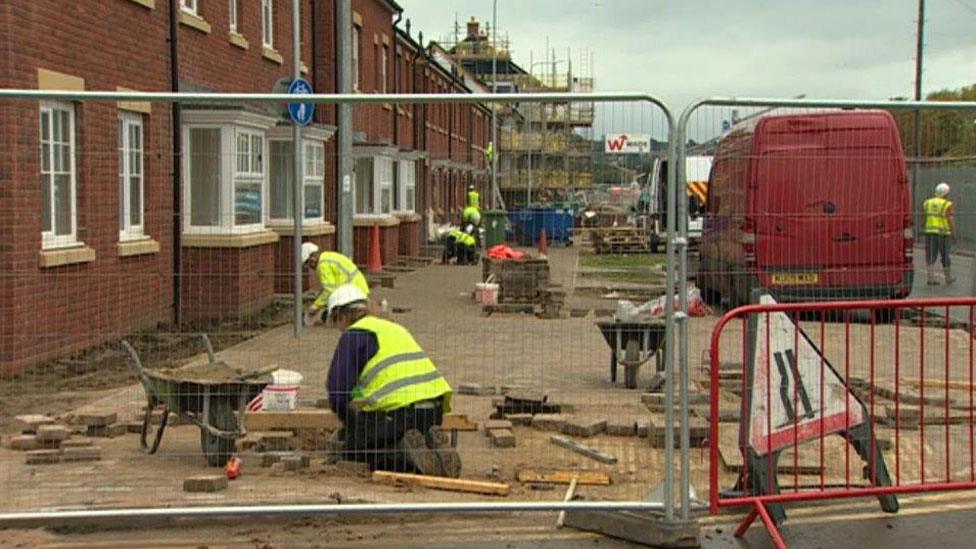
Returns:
(494,117)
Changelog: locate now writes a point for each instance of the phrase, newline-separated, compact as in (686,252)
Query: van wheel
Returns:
(710,296)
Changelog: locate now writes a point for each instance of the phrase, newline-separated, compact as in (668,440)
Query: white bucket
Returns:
(489,294)
(282,394)
(479,292)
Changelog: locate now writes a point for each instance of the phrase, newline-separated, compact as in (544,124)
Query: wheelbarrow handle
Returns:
(137,364)
(211,356)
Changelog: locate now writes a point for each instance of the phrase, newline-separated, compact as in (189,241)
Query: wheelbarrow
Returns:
(212,397)
(632,344)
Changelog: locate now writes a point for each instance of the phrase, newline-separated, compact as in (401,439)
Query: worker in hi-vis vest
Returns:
(458,245)
(333,270)
(387,392)
(474,199)
(938,233)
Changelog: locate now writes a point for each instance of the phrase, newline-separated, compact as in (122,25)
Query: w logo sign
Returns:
(626,143)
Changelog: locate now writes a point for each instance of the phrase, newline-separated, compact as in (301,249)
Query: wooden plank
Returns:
(297,419)
(458,422)
(592,478)
(941,384)
(583,449)
(444,483)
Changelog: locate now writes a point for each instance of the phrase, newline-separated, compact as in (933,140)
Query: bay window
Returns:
(282,181)
(406,188)
(58,175)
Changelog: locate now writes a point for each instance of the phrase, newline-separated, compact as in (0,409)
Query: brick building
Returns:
(110,252)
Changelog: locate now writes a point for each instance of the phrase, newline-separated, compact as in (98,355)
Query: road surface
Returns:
(964,269)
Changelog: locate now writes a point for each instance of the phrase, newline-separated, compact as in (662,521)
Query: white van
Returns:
(697,169)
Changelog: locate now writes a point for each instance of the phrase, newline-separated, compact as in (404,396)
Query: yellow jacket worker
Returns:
(939,231)
(333,270)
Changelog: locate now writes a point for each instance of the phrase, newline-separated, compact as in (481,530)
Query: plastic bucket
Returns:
(282,394)
(489,294)
(479,292)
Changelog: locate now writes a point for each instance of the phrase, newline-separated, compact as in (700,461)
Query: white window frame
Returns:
(382,184)
(127,229)
(232,10)
(50,239)
(230,124)
(267,23)
(407,181)
(313,175)
(189,6)
(250,170)
(357,32)
(384,60)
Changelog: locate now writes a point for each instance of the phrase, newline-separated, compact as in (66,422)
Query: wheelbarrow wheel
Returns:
(631,363)
(216,449)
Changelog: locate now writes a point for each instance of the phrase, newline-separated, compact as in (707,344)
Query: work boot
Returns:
(440,446)
(931,276)
(949,279)
(423,458)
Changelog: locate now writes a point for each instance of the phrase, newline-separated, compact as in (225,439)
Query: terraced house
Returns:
(121,217)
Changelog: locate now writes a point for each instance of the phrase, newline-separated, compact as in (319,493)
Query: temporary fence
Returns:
(823,203)
(195,235)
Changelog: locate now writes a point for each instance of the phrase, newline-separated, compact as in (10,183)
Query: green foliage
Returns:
(945,134)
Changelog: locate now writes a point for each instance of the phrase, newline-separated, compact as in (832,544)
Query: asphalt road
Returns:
(963,268)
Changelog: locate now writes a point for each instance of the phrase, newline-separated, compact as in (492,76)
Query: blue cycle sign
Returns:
(301,113)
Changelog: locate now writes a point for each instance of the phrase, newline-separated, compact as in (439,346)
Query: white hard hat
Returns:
(308,248)
(942,189)
(344,296)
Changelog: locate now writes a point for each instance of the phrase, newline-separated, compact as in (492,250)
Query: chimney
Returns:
(473,26)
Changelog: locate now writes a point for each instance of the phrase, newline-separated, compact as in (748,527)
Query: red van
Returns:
(810,207)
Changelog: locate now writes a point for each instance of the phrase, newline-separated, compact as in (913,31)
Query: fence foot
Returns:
(746,522)
(770,526)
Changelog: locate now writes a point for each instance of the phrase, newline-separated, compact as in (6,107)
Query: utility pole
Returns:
(494,118)
(298,211)
(919,47)
(345,195)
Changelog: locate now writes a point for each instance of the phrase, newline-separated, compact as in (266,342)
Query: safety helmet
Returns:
(471,187)
(942,189)
(308,248)
(347,295)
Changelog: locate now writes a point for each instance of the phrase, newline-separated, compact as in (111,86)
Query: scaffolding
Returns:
(545,151)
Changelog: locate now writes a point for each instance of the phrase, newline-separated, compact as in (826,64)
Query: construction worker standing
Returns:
(938,232)
(474,199)
(333,270)
(387,392)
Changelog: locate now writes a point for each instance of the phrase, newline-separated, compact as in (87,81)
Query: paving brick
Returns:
(621,428)
(133,427)
(476,389)
(295,462)
(584,427)
(519,419)
(274,441)
(352,468)
(107,431)
(83,453)
(101,419)
(29,423)
(270,458)
(502,438)
(277,469)
(52,433)
(76,443)
(43,457)
(507,389)
(24,443)
(205,483)
(643,429)
(698,431)
(492,424)
(548,422)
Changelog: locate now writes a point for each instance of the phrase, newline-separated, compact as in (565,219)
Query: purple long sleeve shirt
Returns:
(355,349)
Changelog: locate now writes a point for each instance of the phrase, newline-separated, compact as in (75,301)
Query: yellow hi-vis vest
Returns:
(334,270)
(399,374)
(471,215)
(474,199)
(462,237)
(936,220)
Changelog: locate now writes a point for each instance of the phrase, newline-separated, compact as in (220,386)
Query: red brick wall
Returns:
(376,121)
(284,269)
(409,238)
(227,284)
(389,245)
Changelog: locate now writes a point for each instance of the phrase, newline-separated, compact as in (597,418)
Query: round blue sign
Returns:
(301,113)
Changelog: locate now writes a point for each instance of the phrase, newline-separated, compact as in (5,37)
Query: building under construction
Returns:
(545,151)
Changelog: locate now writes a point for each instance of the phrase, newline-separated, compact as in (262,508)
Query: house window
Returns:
(384,178)
(282,178)
(189,6)
(248,178)
(131,176)
(356,32)
(267,23)
(384,60)
(58,177)
(232,11)
(204,180)
(406,188)
(364,186)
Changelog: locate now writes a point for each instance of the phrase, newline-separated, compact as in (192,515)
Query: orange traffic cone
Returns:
(375,262)
(543,243)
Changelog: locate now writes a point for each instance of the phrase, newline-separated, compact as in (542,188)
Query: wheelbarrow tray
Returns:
(618,333)
(186,397)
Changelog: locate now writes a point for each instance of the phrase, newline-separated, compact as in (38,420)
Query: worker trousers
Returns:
(375,437)
(938,246)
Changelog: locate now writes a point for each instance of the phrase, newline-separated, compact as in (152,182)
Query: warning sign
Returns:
(797,395)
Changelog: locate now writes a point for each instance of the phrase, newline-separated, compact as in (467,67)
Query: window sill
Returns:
(310,229)
(388,106)
(272,54)
(368,220)
(65,256)
(194,22)
(151,4)
(408,217)
(229,240)
(238,40)
(142,246)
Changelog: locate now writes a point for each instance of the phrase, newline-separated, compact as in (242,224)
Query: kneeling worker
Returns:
(387,392)
(333,270)
(460,245)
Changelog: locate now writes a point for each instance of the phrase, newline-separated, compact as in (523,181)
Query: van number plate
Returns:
(795,278)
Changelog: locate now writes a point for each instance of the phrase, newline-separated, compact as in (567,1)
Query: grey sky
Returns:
(680,50)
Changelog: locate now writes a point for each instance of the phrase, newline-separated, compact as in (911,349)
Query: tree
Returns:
(945,134)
